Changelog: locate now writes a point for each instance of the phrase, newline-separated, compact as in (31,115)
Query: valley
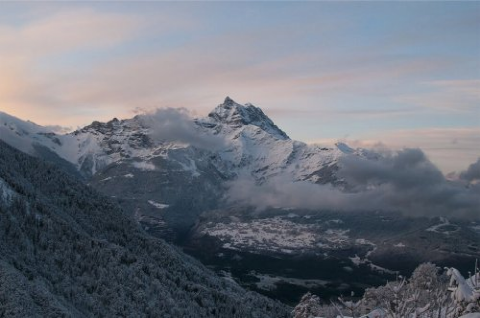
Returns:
(278,216)
(285,253)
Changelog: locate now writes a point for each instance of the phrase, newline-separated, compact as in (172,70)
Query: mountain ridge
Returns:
(186,177)
(97,145)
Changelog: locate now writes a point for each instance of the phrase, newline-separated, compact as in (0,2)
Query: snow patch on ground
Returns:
(277,234)
(268,282)
(274,234)
(143,165)
(335,221)
(471,315)
(356,260)
(128,175)
(336,237)
(158,205)
(6,193)
(362,241)
(445,227)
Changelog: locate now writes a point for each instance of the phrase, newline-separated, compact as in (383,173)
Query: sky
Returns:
(404,74)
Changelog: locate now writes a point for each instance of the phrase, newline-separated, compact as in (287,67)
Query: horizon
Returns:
(400,74)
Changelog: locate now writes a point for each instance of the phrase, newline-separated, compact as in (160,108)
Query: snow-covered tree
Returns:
(427,294)
(308,307)
(465,293)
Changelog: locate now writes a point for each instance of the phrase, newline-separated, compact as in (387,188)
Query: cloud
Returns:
(41,54)
(282,191)
(472,174)
(405,169)
(451,149)
(144,166)
(66,31)
(404,181)
(178,125)
(59,129)
(408,181)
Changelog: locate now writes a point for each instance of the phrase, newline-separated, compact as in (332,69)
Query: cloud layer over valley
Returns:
(404,181)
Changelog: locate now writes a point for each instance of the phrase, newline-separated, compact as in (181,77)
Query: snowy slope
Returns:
(38,141)
(24,134)
(256,146)
(253,145)
(185,178)
(89,149)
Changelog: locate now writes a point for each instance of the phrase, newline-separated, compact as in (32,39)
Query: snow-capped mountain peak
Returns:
(100,127)
(236,116)
(250,143)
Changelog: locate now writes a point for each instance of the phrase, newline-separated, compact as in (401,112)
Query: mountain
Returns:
(280,216)
(68,251)
(36,140)
(255,145)
(252,142)
(164,179)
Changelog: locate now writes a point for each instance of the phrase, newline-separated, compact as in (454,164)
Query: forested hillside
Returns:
(68,251)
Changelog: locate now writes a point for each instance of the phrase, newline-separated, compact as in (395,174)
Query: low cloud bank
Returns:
(177,125)
(404,181)
(472,174)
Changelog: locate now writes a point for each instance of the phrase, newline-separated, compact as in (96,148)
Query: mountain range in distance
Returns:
(235,191)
